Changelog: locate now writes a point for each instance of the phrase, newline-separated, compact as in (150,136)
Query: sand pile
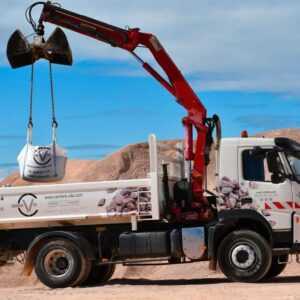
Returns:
(130,162)
(292,133)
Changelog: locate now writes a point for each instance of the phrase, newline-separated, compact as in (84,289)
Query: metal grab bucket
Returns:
(56,49)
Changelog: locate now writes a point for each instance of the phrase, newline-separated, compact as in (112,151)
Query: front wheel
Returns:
(244,256)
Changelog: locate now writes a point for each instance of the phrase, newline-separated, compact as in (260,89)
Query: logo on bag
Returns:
(42,155)
(27,205)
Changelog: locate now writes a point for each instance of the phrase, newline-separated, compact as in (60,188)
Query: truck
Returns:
(75,234)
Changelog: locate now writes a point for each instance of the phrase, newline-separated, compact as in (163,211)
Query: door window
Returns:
(295,165)
(256,166)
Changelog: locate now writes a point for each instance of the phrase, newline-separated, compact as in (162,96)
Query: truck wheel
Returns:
(86,267)
(276,267)
(244,256)
(58,263)
(100,274)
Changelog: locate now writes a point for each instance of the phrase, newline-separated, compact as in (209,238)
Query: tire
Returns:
(100,274)
(277,268)
(86,267)
(59,264)
(244,256)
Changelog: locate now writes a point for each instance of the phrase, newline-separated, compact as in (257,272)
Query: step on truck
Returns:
(75,234)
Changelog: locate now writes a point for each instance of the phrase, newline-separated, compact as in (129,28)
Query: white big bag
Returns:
(42,163)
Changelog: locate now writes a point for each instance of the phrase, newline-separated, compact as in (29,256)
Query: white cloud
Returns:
(223,45)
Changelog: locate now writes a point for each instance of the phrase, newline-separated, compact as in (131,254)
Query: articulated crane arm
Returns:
(176,84)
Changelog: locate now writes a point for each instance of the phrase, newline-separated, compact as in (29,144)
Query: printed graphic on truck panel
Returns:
(27,205)
(103,203)
(249,195)
(130,200)
(233,195)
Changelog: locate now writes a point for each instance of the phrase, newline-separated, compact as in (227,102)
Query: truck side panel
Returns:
(112,200)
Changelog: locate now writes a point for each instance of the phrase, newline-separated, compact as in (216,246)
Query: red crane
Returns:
(176,84)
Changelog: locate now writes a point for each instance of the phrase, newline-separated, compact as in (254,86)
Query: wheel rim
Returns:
(58,263)
(243,256)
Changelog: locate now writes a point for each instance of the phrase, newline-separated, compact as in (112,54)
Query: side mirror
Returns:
(277,178)
(274,167)
(273,162)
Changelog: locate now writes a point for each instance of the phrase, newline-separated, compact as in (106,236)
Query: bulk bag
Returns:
(42,163)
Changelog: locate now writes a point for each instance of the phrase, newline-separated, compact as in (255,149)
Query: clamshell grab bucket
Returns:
(19,51)
(56,49)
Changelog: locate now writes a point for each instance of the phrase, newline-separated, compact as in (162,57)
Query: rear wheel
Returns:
(277,266)
(100,274)
(86,267)
(244,256)
(59,263)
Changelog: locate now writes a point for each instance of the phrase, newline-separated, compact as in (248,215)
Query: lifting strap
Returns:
(54,121)
(30,120)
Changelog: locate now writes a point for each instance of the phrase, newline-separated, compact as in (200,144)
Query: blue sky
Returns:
(241,60)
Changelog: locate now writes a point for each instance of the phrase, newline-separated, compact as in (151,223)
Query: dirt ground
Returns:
(184,282)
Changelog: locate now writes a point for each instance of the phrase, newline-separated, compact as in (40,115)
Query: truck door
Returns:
(266,188)
(294,164)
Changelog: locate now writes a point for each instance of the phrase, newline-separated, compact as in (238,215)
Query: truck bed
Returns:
(84,203)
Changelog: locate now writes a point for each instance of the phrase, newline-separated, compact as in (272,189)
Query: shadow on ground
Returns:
(142,281)
(201,281)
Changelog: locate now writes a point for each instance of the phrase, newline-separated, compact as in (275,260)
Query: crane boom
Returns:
(176,84)
(129,40)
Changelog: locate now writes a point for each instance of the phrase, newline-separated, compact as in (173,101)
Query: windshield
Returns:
(295,165)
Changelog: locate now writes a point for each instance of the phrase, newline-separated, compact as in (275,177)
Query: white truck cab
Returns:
(261,174)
